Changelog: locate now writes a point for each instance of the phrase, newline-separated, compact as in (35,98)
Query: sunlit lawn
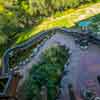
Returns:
(67,19)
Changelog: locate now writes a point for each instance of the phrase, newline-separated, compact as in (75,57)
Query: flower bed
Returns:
(46,73)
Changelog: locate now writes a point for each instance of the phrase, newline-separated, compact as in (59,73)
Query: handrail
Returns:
(32,41)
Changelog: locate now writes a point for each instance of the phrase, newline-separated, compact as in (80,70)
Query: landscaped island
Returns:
(46,73)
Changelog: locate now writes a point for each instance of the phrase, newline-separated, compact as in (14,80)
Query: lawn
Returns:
(66,19)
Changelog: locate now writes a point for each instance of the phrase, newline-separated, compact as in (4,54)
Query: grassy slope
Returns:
(67,18)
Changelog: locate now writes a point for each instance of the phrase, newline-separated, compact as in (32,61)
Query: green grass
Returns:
(66,19)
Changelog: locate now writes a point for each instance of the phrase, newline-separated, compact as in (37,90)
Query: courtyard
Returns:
(83,67)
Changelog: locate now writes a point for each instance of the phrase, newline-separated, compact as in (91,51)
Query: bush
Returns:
(46,73)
